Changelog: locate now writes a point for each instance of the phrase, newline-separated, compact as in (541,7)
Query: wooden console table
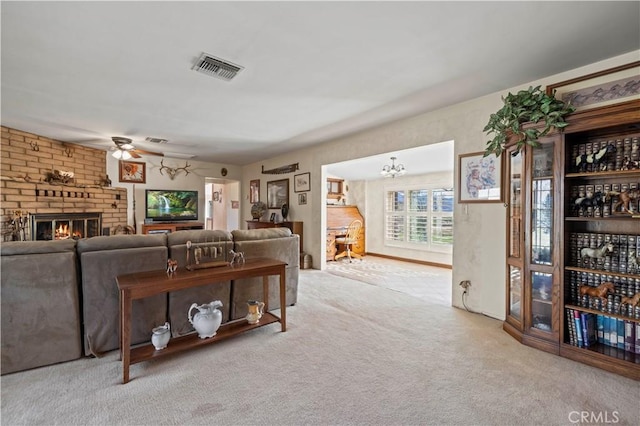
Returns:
(146,284)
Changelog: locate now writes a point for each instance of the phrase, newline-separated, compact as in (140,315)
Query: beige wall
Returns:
(479,229)
(195,180)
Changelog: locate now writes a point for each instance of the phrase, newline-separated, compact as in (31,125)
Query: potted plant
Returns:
(531,105)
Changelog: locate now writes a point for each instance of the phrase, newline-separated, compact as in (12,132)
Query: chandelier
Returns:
(393,170)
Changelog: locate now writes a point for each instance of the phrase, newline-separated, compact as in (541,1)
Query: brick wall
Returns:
(26,158)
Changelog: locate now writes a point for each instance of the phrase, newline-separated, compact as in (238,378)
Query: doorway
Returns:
(222,207)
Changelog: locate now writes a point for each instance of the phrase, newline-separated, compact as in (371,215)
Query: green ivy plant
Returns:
(531,105)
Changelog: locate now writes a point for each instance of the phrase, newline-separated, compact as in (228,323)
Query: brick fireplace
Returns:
(26,159)
(63,226)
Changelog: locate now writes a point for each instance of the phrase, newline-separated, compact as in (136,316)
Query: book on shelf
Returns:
(629,336)
(621,330)
(613,332)
(588,329)
(600,328)
(576,318)
(571,332)
(587,321)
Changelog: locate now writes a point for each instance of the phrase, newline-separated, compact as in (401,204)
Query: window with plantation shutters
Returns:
(419,217)
(395,217)
(442,217)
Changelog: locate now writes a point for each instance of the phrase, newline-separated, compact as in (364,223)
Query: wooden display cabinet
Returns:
(532,239)
(593,220)
(554,212)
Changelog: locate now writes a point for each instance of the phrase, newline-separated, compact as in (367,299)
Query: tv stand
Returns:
(167,227)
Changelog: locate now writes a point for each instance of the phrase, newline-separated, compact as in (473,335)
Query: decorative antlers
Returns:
(173,172)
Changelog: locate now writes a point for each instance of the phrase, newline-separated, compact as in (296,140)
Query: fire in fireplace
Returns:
(62,226)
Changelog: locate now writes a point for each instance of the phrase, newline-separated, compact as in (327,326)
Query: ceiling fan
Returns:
(125,150)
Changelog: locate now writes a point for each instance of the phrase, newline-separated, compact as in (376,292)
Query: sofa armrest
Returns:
(40,304)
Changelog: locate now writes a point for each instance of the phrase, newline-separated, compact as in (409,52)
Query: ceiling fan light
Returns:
(126,155)
(126,146)
(117,154)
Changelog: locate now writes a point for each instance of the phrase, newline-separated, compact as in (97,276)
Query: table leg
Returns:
(125,333)
(283,300)
(265,292)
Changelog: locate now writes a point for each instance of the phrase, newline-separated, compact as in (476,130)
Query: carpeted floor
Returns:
(429,283)
(353,354)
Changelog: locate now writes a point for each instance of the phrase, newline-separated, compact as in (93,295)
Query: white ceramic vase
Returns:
(207,321)
(160,336)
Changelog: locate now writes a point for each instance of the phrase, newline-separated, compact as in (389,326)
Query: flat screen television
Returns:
(171,205)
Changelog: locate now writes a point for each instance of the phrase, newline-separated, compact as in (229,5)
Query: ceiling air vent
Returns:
(156,140)
(216,67)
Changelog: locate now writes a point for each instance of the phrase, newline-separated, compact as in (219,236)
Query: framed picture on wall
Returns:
(277,193)
(133,172)
(479,178)
(254,191)
(302,199)
(602,88)
(302,182)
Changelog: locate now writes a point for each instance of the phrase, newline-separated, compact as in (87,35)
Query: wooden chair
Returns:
(351,238)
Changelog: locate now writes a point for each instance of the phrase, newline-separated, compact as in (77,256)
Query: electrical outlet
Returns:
(465,284)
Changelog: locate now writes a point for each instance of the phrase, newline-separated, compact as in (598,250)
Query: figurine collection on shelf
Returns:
(607,155)
(610,281)
(604,200)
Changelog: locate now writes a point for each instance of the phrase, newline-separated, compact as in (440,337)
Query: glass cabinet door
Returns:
(515,292)
(515,204)
(542,205)
(514,165)
(541,304)
(540,313)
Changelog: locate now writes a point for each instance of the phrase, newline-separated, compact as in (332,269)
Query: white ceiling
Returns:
(85,71)
(433,158)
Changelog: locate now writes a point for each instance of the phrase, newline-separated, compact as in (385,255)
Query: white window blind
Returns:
(419,217)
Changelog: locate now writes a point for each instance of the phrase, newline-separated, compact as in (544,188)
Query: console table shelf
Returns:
(179,344)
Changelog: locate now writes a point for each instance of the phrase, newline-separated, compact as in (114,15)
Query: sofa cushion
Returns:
(260,234)
(197,236)
(102,259)
(120,241)
(40,304)
(181,301)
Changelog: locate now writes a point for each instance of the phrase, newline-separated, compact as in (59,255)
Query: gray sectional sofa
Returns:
(60,298)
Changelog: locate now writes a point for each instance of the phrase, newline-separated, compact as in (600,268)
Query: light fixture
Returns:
(393,170)
(121,154)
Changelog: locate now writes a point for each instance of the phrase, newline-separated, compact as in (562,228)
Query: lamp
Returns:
(121,154)
(393,170)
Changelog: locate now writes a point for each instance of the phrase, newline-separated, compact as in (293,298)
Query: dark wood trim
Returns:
(512,331)
(606,358)
(543,344)
(420,262)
